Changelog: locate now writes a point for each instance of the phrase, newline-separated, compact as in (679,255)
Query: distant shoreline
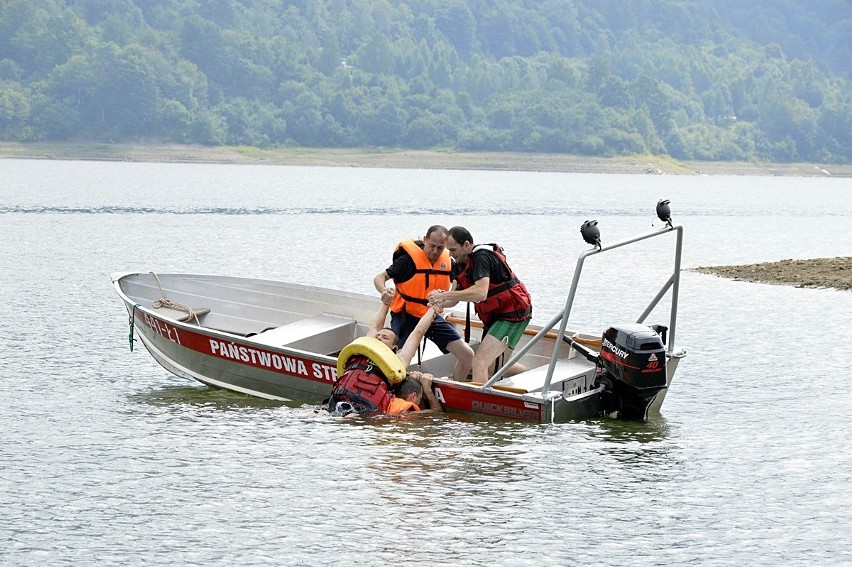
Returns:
(409,159)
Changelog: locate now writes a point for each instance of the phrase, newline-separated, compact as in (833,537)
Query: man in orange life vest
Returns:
(500,299)
(420,267)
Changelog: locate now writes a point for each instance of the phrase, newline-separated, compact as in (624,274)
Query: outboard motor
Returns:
(633,359)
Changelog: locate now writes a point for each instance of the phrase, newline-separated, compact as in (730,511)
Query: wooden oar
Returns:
(595,343)
(501,387)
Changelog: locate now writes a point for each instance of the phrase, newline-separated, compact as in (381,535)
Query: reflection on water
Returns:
(636,451)
(655,429)
(439,447)
(203,396)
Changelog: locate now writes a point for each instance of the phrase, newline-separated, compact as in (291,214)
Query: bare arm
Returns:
(406,352)
(380,280)
(475,293)
(426,382)
(378,321)
(442,302)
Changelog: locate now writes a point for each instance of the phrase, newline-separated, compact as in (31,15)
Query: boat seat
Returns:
(533,380)
(180,314)
(322,334)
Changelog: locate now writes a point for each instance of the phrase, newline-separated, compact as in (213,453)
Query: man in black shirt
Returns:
(483,277)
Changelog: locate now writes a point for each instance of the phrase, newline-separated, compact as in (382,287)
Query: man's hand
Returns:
(436,297)
(425,380)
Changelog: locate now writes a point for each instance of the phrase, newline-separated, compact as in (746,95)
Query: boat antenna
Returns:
(591,233)
(664,212)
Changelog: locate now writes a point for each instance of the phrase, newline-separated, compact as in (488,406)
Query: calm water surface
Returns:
(107,459)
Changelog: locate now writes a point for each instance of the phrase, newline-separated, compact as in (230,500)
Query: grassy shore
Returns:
(421,159)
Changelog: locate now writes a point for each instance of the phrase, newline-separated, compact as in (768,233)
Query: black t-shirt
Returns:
(485,264)
(403,267)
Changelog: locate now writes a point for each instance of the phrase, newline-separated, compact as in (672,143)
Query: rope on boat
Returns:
(132,321)
(163,302)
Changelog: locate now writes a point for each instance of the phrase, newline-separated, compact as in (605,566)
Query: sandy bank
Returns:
(818,272)
(421,159)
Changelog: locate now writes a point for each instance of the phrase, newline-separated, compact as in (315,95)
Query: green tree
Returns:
(375,56)
(455,21)
(252,123)
(15,109)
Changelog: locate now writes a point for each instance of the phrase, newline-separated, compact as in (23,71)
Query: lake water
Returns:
(107,459)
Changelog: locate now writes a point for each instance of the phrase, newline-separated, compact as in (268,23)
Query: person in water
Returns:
(419,267)
(363,389)
(409,395)
(482,276)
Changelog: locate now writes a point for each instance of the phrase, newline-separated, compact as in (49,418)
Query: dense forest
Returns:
(766,80)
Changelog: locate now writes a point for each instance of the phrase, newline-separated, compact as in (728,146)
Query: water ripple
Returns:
(307,210)
(538,209)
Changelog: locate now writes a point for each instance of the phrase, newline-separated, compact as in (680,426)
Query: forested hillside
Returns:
(722,80)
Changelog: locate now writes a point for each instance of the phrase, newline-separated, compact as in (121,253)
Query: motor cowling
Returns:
(633,368)
(635,354)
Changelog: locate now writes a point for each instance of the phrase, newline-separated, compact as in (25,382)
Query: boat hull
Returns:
(228,362)
(242,366)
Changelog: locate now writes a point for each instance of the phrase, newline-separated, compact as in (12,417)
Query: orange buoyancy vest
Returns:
(506,301)
(399,405)
(412,295)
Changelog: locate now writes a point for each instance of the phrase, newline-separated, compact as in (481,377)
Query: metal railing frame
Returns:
(672,283)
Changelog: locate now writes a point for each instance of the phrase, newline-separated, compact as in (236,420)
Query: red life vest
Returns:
(363,387)
(506,301)
(412,295)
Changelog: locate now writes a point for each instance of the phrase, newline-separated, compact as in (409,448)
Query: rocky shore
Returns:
(833,273)
(420,159)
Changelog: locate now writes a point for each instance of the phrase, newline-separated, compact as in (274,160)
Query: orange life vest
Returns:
(399,405)
(412,295)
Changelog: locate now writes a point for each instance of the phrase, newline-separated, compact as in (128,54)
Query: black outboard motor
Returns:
(633,359)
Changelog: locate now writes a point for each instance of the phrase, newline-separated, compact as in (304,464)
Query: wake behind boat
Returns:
(281,341)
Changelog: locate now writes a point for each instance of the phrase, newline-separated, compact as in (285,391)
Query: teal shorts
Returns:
(508,332)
